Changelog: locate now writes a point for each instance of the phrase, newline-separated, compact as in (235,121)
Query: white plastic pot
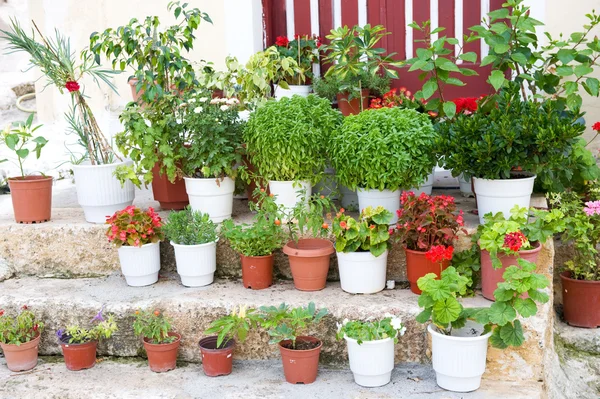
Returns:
(426,187)
(362,272)
(196,264)
(289,193)
(459,359)
(389,199)
(502,195)
(328,186)
(465,186)
(371,362)
(140,265)
(301,90)
(212,196)
(99,192)
(349,198)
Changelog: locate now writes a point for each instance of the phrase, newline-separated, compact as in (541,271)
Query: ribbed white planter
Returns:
(349,198)
(388,199)
(361,272)
(301,90)
(288,193)
(196,264)
(502,195)
(140,265)
(371,362)
(99,192)
(426,187)
(459,359)
(212,196)
(465,186)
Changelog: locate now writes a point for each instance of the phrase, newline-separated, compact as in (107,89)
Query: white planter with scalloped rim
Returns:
(140,265)
(371,362)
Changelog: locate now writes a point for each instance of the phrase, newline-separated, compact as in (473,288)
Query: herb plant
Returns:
(371,232)
(304,50)
(19,329)
(153,326)
(234,325)
(134,227)
(329,86)
(103,328)
(286,323)
(389,327)
(20,139)
(189,227)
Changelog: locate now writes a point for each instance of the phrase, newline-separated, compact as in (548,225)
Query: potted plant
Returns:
(287,143)
(329,87)
(79,344)
(299,353)
(427,227)
(31,195)
(390,149)
(371,348)
(160,342)
(460,335)
(137,235)
(217,350)
(20,338)
(194,237)
(362,249)
(305,51)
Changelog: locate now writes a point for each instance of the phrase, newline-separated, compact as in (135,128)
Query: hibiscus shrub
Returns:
(134,227)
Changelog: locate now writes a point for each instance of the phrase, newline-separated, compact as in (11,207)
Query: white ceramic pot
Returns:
(389,199)
(371,362)
(459,359)
(140,265)
(99,192)
(196,264)
(361,272)
(301,90)
(426,187)
(289,193)
(349,198)
(502,195)
(465,186)
(212,196)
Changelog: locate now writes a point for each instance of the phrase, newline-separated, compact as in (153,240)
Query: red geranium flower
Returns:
(72,86)
(282,41)
(596,126)
(514,241)
(439,253)
(468,105)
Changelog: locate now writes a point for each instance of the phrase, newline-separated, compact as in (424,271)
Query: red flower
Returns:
(596,126)
(318,41)
(391,231)
(372,226)
(282,41)
(439,253)
(468,105)
(35,328)
(25,307)
(514,241)
(72,86)
(1,312)
(343,225)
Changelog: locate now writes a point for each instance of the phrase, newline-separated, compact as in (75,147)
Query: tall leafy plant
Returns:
(20,139)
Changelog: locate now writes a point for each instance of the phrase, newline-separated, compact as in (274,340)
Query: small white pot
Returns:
(140,265)
(371,362)
(196,264)
(459,359)
(362,272)
(212,196)
(99,192)
(289,193)
(301,90)
(502,195)
(389,199)
(426,187)
(465,186)
(349,198)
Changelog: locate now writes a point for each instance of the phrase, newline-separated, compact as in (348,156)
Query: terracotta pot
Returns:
(162,357)
(490,277)
(171,196)
(309,262)
(257,271)
(417,266)
(21,357)
(581,301)
(216,362)
(352,107)
(79,356)
(31,198)
(300,366)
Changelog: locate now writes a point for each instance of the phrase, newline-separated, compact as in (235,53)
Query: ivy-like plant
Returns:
(234,325)
(286,323)
(371,232)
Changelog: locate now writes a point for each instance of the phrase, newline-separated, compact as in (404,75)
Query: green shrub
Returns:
(190,227)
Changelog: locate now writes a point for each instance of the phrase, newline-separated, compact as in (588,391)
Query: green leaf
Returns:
(425,301)
(22,153)
(496,340)
(449,109)
(519,58)
(469,57)
(497,79)
(582,70)
(501,313)
(501,48)
(564,70)
(525,307)
(447,311)
(565,55)
(538,296)
(574,101)
(512,334)
(488,59)
(424,316)
(429,88)
(593,86)
(503,294)
(11,141)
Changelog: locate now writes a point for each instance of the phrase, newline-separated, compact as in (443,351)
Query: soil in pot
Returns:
(301,365)
(21,357)
(31,198)
(79,356)
(257,271)
(417,266)
(171,196)
(162,357)
(309,262)
(216,362)
(581,301)
(352,107)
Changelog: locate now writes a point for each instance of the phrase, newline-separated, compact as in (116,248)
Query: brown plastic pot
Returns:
(171,196)
(417,266)
(352,107)
(309,262)
(216,362)
(79,356)
(257,271)
(581,301)
(490,277)
(300,366)
(21,357)
(162,357)
(31,198)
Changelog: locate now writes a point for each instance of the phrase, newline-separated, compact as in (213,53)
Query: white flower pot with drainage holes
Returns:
(371,362)
(388,199)
(362,272)
(140,265)
(300,90)
(196,264)
(459,359)
(213,196)
(289,193)
(426,187)
(503,194)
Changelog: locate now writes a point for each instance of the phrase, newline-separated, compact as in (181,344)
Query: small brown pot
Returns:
(300,366)
(171,196)
(21,357)
(79,356)
(352,107)
(216,362)
(309,262)
(417,266)
(31,198)
(257,271)
(162,357)
(581,301)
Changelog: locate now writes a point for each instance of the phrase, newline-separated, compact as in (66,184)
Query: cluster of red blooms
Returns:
(72,86)
(392,98)
(514,241)
(134,227)
(283,41)
(596,126)
(466,105)
(439,253)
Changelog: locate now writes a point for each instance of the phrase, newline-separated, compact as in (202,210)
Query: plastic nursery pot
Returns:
(581,301)
(21,357)
(31,198)
(162,357)
(362,272)
(140,265)
(309,262)
(300,366)
(79,356)
(257,271)
(417,266)
(352,107)
(171,196)
(216,362)
(371,362)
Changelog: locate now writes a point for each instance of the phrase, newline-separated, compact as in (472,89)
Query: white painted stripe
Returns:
(458,26)
(289,19)
(485,9)
(314,17)
(434,17)
(337,13)
(408,15)
(362,12)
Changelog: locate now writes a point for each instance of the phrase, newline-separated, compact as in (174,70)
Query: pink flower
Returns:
(592,207)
